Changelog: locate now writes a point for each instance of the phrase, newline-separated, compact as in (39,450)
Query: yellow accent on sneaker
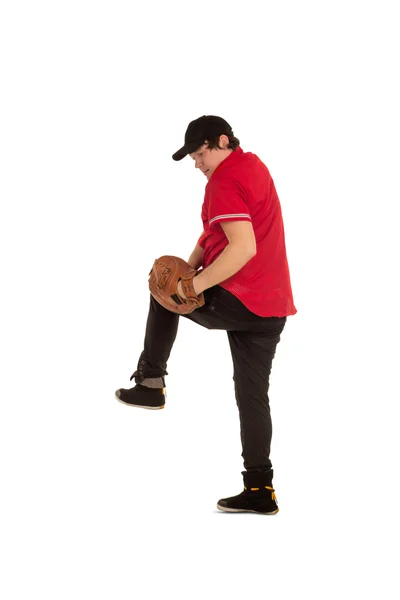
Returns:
(254,489)
(273,495)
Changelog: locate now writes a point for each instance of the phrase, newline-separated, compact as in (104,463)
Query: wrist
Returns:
(198,284)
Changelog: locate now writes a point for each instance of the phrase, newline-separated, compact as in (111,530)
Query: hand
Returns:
(196,287)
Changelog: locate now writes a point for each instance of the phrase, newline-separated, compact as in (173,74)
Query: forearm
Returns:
(229,262)
(196,258)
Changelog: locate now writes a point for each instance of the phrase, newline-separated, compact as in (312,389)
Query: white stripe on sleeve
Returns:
(234,216)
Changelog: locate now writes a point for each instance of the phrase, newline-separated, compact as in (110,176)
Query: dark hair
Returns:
(214,142)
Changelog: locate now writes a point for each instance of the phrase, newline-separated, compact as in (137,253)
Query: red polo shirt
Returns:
(241,188)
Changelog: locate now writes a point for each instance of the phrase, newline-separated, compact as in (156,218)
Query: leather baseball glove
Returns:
(164,277)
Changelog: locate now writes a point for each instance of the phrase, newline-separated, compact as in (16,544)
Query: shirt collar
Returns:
(234,155)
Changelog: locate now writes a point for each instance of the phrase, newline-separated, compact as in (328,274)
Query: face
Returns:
(208,160)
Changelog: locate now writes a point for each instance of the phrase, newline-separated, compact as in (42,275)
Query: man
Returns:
(247,290)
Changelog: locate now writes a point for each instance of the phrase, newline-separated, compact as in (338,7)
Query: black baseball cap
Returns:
(200,130)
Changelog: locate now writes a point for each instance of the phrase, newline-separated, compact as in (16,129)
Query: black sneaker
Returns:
(142,397)
(258,496)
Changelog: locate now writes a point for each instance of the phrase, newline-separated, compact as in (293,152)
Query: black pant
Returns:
(253,340)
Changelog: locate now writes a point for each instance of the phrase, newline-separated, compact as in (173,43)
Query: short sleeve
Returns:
(227,202)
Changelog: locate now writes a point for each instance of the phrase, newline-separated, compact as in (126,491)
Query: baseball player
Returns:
(237,280)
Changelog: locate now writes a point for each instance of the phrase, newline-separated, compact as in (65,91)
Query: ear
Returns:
(223,141)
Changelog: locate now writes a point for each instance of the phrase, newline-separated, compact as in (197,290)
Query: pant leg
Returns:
(161,331)
(160,335)
(253,342)
(252,356)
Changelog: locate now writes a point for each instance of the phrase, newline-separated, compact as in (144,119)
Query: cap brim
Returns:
(187,149)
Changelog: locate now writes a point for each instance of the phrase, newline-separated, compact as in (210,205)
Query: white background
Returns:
(103,501)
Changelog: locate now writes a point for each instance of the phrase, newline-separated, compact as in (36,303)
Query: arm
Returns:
(196,258)
(240,249)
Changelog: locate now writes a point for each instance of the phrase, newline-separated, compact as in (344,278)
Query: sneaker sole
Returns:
(139,405)
(236,510)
